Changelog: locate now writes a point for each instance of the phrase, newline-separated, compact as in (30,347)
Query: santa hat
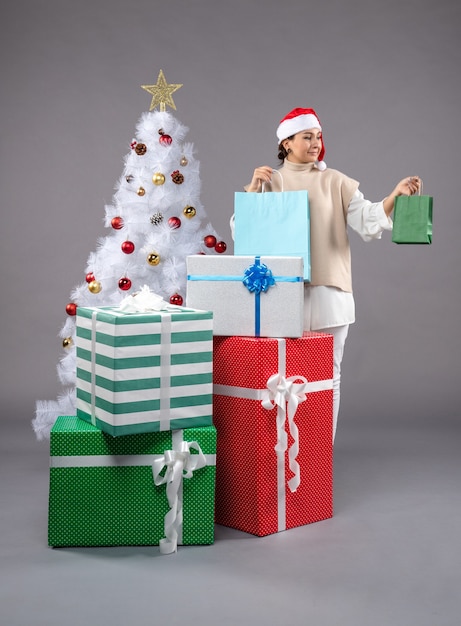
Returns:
(295,122)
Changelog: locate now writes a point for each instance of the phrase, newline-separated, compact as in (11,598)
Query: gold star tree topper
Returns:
(161,93)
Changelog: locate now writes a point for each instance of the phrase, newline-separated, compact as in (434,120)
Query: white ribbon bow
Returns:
(179,464)
(286,393)
(143,301)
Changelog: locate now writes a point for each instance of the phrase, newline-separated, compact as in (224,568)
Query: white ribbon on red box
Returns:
(285,394)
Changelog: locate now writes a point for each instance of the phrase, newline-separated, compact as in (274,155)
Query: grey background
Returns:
(384,79)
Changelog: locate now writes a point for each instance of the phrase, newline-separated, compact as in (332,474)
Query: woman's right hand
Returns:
(261,175)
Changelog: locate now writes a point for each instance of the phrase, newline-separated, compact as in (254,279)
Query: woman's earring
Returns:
(289,151)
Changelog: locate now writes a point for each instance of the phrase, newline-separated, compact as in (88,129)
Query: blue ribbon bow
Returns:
(258,277)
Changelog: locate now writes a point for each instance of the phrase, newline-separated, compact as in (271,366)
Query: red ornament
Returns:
(89,277)
(210,241)
(124,284)
(221,246)
(127,247)
(71,308)
(177,177)
(176,299)
(165,140)
(116,222)
(174,222)
(133,144)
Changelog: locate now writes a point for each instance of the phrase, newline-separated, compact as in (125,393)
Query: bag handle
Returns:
(262,187)
(420,190)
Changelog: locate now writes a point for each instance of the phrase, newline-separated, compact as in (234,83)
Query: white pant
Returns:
(339,339)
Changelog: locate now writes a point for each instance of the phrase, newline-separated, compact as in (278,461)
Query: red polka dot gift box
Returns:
(142,489)
(273,411)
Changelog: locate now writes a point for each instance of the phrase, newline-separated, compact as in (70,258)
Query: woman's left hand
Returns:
(406,187)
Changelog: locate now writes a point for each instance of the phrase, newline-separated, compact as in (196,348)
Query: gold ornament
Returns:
(153,258)
(183,161)
(67,342)
(95,286)
(161,93)
(189,211)
(158,178)
(141,191)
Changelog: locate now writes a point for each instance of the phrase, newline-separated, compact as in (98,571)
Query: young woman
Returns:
(335,203)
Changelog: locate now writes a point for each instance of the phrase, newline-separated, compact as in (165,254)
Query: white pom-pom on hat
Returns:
(298,120)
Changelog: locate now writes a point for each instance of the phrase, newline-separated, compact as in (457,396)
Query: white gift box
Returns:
(249,296)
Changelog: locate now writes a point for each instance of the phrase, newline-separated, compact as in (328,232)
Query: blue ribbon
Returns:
(258,277)
(221,278)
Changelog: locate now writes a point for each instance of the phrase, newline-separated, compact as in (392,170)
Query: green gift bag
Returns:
(412,219)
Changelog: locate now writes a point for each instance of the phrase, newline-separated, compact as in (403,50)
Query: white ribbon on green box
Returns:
(144,371)
(180,463)
(285,394)
(165,369)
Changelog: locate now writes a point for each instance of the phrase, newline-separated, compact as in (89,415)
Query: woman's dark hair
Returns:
(282,153)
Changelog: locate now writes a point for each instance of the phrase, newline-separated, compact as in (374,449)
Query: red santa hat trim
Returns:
(298,120)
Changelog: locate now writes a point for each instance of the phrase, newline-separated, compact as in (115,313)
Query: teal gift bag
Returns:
(275,223)
(412,220)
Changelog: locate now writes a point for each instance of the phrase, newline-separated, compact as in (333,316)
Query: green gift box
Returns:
(142,489)
(144,372)
(412,220)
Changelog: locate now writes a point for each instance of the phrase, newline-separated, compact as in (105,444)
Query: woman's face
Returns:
(305,146)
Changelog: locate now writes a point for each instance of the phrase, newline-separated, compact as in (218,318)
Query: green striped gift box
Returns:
(144,372)
(102,489)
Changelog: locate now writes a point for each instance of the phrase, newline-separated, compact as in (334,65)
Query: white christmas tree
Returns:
(156,220)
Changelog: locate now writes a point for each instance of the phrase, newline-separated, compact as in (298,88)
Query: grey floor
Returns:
(390,556)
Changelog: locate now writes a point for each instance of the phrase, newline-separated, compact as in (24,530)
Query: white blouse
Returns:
(325,307)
